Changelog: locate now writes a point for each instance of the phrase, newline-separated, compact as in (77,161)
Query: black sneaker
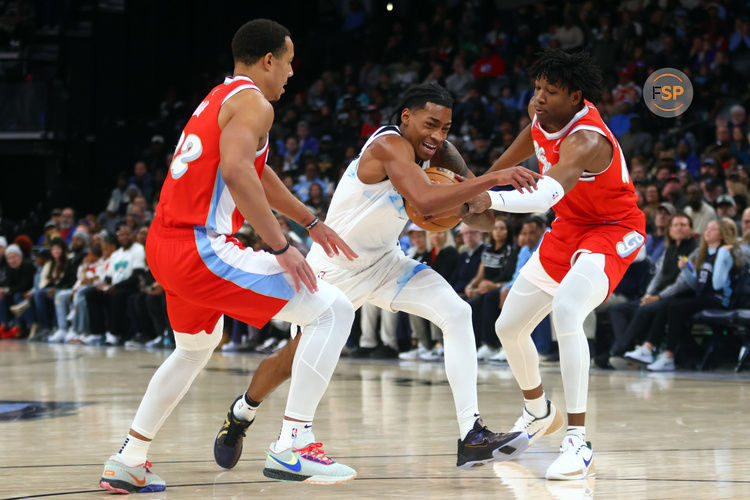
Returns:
(384,352)
(228,442)
(482,446)
(361,352)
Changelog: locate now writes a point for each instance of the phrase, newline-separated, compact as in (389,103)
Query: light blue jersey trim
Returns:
(219,187)
(271,285)
(407,275)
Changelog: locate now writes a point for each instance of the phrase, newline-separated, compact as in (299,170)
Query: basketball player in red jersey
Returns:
(217,179)
(594,238)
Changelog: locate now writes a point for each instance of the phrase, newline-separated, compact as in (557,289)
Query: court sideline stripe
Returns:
(555,452)
(426,478)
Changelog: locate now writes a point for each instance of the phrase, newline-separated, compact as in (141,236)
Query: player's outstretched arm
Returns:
(396,155)
(579,152)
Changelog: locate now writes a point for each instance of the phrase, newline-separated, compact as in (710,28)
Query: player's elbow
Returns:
(422,204)
(232,174)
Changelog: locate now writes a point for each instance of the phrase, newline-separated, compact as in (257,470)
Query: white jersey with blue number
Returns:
(369,217)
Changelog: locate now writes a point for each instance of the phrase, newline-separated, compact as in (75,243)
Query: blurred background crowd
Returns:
(95,95)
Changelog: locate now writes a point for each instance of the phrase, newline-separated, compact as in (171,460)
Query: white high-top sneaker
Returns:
(536,427)
(575,460)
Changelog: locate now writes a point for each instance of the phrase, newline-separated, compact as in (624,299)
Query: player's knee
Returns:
(566,313)
(502,330)
(343,309)
(198,357)
(454,317)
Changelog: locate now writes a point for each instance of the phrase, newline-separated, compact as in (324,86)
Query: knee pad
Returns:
(343,315)
(583,288)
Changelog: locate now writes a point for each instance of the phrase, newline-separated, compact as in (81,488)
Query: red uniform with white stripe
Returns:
(190,250)
(599,215)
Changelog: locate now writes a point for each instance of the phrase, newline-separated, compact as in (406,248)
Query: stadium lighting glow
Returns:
(389,6)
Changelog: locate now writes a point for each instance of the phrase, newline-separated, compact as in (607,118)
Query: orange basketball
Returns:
(437,222)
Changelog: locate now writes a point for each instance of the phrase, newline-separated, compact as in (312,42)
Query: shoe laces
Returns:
(476,435)
(569,443)
(235,429)
(314,452)
(147,465)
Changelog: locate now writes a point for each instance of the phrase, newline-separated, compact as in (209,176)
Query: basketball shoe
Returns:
(228,442)
(309,464)
(482,446)
(575,460)
(641,353)
(537,427)
(123,479)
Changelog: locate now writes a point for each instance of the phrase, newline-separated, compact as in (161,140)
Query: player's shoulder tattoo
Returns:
(449,157)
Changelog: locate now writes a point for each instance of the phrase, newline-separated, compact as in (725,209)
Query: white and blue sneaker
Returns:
(537,427)
(309,464)
(575,460)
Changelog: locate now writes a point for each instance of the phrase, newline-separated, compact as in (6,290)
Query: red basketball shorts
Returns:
(619,244)
(205,275)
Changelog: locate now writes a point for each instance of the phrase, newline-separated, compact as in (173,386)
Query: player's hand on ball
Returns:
(519,177)
(295,264)
(330,241)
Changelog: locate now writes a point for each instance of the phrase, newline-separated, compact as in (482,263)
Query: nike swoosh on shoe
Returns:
(296,466)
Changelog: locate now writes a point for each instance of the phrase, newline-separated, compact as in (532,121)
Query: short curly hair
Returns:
(417,97)
(258,37)
(572,72)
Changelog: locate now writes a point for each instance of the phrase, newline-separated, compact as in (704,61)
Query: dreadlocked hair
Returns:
(418,96)
(572,72)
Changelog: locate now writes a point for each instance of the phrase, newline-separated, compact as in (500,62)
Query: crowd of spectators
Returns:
(691,170)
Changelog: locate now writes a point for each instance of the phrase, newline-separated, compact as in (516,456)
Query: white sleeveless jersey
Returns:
(369,217)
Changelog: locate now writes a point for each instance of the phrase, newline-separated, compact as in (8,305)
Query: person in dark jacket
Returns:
(468,260)
(19,279)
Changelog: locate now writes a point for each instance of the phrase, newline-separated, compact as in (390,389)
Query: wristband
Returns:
(279,252)
(312,224)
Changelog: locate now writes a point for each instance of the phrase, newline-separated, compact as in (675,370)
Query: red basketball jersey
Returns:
(194,192)
(604,198)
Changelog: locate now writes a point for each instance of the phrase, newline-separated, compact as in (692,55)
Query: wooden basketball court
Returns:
(66,408)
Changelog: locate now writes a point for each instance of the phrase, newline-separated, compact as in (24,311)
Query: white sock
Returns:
(577,430)
(537,407)
(304,439)
(133,451)
(290,430)
(244,409)
(466,421)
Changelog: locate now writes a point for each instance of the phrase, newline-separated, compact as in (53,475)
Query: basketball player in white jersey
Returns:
(367,210)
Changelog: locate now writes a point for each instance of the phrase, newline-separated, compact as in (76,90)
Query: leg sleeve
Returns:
(525,306)
(584,287)
(428,295)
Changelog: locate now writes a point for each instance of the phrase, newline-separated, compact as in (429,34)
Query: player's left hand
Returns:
(330,241)
(519,177)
